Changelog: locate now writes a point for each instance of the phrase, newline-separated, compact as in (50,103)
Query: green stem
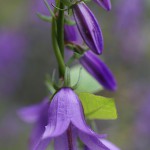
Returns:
(60,29)
(58,55)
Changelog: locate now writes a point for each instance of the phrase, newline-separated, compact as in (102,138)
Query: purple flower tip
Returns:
(88,27)
(70,34)
(98,70)
(66,122)
(110,145)
(106,4)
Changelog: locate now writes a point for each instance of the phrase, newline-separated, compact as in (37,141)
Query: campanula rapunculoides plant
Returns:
(64,115)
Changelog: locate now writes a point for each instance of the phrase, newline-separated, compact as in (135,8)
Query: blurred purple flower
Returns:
(129,29)
(38,6)
(65,122)
(142,123)
(106,4)
(98,70)
(12,50)
(37,114)
(88,27)
(110,145)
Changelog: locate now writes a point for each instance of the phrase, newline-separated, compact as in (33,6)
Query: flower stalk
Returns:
(56,48)
(60,31)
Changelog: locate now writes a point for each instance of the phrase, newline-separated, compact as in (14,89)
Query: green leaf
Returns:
(86,83)
(98,107)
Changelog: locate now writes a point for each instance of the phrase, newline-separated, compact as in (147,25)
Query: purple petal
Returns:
(65,108)
(88,27)
(62,141)
(36,134)
(106,4)
(37,114)
(70,34)
(92,142)
(31,113)
(42,145)
(59,113)
(98,70)
(106,143)
(110,145)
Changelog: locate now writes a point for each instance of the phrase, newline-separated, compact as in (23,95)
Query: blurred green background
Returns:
(126,31)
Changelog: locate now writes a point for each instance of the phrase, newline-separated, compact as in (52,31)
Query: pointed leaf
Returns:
(98,107)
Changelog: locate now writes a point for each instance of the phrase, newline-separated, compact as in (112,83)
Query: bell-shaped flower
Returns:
(38,115)
(66,122)
(107,143)
(106,4)
(98,69)
(88,27)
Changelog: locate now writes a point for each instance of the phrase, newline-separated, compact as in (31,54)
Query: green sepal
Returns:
(44,18)
(69,22)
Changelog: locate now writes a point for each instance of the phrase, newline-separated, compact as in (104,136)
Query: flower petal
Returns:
(43,144)
(59,113)
(92,142)
(31,113)
(98,70)
(106,4)
(70,34)
(88,27)
(61,142)
(110,145)
(36,134)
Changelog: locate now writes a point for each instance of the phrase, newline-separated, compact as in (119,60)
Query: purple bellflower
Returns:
(12,52)
(110,145)
(37,114)
(88,27)
(66,122)
(106,4)
(98,70)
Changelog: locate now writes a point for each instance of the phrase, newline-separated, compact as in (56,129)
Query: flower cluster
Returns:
(91,34)
(62,119)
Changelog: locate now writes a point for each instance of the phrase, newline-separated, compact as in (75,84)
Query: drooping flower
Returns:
(66,122)
(12,52)
(110,145)
(106,4)
(88,27)
(38,115)
(98,70)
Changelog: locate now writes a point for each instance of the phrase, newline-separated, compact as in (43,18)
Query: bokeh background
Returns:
(26,56)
